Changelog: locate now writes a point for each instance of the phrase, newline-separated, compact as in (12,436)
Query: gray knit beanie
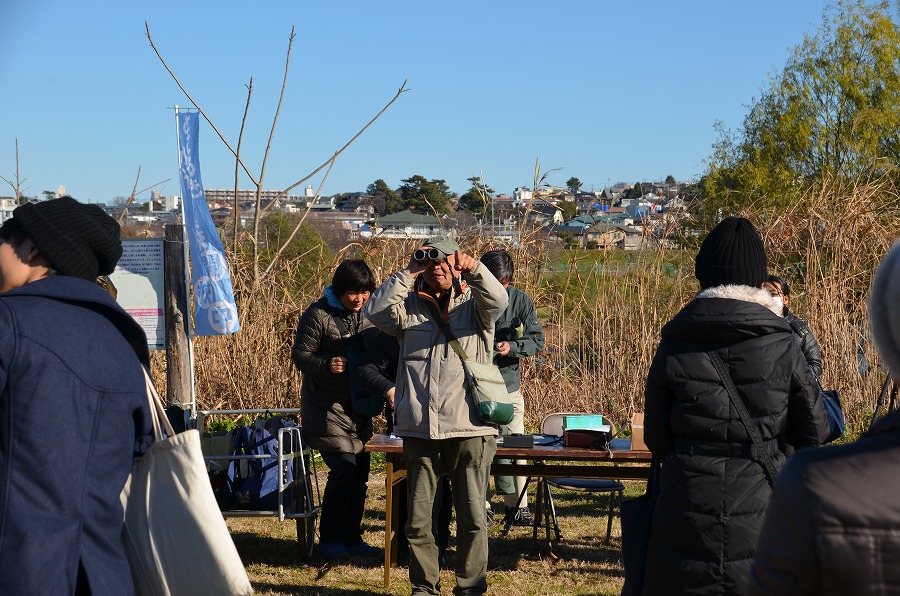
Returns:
(884,310)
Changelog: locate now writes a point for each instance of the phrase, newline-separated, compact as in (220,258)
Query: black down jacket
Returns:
(328,420)
(713,492)
(833,526)
(808,344)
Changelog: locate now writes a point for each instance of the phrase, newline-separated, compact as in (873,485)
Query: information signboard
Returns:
(140,281)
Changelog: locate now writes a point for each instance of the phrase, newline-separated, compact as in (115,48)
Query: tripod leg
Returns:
(881,395)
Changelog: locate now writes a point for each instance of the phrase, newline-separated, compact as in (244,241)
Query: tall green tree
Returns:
(384,199)
(422,195)
(834,110)
(307,247)
(477,200)
(574,185)
(569,209)
(635,192)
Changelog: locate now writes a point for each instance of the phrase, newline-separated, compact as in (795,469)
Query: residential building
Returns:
(406,224)
(7,205)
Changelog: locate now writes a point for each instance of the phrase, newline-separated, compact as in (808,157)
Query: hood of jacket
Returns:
(727,314)
(333,300)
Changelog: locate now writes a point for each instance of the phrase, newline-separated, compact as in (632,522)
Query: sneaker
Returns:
(333,550)
(361,549)
(522,517)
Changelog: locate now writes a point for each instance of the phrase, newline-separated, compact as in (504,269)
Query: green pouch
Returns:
(489,391)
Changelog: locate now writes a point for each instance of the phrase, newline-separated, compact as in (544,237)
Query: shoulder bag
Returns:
(484,380)
(765,458)
(174,535)
(832,401)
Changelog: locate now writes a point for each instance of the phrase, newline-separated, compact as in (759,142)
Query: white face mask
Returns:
(779,300)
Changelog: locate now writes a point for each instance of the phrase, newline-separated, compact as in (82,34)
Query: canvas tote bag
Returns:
(174,535)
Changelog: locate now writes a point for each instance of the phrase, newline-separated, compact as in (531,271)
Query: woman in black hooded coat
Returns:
(713,487)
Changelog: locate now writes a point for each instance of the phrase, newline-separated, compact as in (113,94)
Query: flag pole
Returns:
(187,275)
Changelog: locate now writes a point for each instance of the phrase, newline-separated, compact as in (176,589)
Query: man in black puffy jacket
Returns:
(833,526)
(713,487)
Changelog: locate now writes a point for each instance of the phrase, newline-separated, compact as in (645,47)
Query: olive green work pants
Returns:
(466,460)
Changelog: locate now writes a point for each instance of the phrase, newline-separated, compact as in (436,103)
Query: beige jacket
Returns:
(431,399)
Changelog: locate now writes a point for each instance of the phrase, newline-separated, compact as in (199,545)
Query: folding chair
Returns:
(545,508)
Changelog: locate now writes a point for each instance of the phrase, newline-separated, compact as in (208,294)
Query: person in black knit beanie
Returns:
(76,239)
(71,360)
(713,490)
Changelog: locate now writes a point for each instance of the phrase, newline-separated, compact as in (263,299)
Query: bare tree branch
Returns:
(237,169)
(302,219)
(262,171)
(258,183)
(400,91)
(17,187)
(194,103)
(131,196)
(135,192)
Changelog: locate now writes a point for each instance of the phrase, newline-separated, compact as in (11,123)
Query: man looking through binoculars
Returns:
(434,410)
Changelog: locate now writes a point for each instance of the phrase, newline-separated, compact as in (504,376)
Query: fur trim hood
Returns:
(747,294)
(727,314)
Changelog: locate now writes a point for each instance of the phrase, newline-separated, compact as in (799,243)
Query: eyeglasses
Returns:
(772,289)
(431,254)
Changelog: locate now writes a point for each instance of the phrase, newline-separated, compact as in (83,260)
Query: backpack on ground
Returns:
(254,483)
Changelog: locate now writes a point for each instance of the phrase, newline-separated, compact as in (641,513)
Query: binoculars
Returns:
(429,254)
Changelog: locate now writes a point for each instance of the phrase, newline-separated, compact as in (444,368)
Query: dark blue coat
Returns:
(73,418)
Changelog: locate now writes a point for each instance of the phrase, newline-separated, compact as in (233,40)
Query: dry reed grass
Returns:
(601,310)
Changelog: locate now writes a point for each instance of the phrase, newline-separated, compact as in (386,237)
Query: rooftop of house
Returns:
(407,217)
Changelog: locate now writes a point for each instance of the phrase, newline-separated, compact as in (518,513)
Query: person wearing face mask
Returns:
(779,289)
(330,423)
(434,411)
(833,523)
(728,347)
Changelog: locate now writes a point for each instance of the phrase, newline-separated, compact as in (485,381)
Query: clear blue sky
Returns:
(606,91)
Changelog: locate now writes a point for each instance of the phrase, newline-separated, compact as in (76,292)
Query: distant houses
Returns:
(7,204)
(406,224)
(618,217)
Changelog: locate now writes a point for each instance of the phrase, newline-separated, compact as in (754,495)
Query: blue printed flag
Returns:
(215,312)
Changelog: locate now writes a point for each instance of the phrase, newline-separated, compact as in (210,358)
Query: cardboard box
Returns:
(637,432)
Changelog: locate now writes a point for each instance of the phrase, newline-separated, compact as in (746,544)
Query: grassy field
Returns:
(581,563)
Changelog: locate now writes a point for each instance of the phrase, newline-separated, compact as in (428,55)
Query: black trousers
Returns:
(344,499)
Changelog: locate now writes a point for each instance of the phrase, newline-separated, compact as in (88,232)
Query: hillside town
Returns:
(622,216)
